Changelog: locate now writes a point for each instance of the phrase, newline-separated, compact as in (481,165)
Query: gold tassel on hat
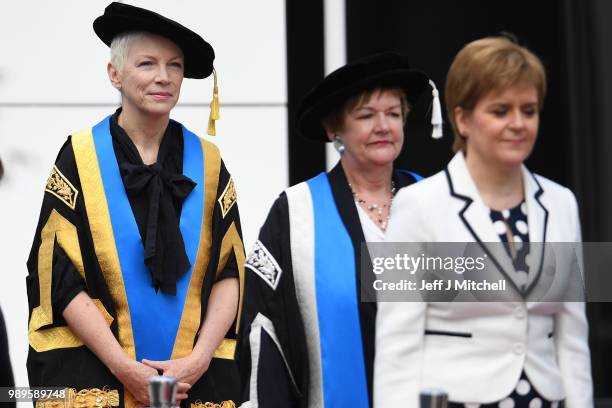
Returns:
(214,108)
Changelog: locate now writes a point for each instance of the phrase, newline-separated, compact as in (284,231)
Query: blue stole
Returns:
(342,365)
(155,317)
(414,175)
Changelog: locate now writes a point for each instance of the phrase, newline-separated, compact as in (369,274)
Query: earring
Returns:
(338,145)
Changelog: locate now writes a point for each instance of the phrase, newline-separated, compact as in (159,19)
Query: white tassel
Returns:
(436,112)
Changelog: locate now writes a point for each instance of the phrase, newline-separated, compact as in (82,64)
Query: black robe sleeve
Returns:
(61,264)
(224,219)
(61,194)
(272,351)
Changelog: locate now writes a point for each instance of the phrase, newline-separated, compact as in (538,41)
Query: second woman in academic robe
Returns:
(308,321)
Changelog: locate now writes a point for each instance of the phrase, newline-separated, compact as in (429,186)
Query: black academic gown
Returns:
(282,373)
(64,261)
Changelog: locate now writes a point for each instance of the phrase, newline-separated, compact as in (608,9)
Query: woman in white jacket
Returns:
(498,354)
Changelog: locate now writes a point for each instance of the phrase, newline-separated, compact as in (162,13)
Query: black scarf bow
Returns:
(164,249)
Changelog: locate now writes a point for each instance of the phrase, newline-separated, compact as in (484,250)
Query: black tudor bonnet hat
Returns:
(199,55)
(119,18)
(379,70)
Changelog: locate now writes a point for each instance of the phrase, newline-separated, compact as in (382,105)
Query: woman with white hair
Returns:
(135,262)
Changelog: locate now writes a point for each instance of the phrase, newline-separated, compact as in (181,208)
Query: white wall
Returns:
(53,81)
(335,54)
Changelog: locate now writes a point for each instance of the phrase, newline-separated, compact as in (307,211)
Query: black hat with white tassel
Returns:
(379,70)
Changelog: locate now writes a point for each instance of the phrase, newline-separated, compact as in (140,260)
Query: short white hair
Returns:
(120,47)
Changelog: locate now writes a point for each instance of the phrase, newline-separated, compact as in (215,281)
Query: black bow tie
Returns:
(164,249)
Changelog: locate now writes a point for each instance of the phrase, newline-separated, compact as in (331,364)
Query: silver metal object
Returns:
(162,392)
(433,398)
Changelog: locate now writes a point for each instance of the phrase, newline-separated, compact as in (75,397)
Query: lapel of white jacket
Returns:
(537,219)
(475,216)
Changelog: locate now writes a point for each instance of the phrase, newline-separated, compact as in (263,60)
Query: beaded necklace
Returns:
(378,208)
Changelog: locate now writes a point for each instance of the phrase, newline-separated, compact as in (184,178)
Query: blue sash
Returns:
(343,368)
(414,175)
(155,317)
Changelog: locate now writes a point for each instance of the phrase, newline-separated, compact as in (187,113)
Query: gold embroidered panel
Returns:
(224,404)
(228,198)
(62,188)
(85,398)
